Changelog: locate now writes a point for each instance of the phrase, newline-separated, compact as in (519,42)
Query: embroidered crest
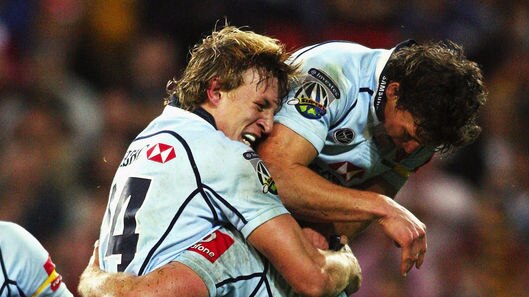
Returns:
(315,94)
(262,172)
(343,136)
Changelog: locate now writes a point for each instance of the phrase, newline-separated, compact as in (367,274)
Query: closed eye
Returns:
(407,137)
(262,106)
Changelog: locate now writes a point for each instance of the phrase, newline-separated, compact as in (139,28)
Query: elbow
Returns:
(316,287)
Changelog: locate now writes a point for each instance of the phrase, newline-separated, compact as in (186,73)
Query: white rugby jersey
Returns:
(180,180)
(26,268)
(338,108)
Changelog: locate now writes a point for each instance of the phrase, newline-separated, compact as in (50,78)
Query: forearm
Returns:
(96,283)
(172,279)
(353,229)
(313,198)
(297,260)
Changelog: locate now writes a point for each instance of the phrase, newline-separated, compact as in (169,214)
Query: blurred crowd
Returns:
(80,78)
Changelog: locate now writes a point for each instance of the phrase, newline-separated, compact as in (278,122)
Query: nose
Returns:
(266,123)
(410,146)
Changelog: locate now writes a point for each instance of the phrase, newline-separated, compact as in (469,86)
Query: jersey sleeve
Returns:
(247,195)
(318,101)
(29,264)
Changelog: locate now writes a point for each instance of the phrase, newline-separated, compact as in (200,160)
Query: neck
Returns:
(203,112)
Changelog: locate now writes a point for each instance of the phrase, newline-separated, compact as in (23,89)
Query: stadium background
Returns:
(79,78)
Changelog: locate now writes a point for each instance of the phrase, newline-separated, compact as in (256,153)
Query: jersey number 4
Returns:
(125,244)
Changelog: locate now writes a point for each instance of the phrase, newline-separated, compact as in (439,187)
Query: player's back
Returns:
(178,182)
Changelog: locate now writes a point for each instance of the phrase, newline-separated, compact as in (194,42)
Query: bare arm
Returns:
(353,229)
(283,243)
(313,198)
(304,192)
(281,240)
(164,281)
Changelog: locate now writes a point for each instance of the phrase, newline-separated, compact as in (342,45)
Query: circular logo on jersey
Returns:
(343,136)
(311,100)
(266,180)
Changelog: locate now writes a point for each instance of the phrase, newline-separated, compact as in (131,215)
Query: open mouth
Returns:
(249,139)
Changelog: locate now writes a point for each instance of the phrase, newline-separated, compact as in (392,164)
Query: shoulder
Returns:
(14,232)
(16,236)
(329,50)
(220,150)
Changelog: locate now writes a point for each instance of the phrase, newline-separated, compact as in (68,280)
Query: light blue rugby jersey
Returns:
(179,181)
(26,268)
(335,108)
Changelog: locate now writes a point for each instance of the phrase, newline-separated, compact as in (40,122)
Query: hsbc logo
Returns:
(347,171)
(161,153)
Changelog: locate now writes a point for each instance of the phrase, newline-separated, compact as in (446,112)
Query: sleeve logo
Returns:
(262,172)
(213,246)
(161,153)
(315,94)
(310,100)
(54,278)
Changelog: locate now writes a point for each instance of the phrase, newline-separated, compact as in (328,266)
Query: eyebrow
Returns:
(408,135)
(267,103)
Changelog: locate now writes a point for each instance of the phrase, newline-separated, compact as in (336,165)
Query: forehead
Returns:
(260,78)
(262,82)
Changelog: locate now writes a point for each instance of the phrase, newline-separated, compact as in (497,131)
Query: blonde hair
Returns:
(226,54)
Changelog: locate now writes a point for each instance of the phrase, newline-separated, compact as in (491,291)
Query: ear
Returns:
(213,91)
(392,90)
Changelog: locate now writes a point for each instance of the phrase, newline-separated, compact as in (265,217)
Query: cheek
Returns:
(390,128)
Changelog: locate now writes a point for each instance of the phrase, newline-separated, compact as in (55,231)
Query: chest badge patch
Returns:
(161,153)
(343,136)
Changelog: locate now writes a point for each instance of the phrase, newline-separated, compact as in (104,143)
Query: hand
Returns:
(316,238)
(90,279)
(409,233)
(356,280)
(93,263)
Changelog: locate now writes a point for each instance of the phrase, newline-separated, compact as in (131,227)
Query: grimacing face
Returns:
(246,113)
(400,126)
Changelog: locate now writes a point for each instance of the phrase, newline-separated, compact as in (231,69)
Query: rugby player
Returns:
(193,210)
(26,268)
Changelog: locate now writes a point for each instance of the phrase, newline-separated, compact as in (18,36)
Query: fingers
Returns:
(316,238)
(422,252)
(406,261)
(94,259)
(344,240)
(407,232)
(413,253)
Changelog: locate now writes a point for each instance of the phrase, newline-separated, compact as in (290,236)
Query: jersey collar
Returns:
(199,111)
(379,97)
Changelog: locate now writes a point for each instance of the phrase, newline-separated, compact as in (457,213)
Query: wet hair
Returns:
(226,54)
(442,90)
